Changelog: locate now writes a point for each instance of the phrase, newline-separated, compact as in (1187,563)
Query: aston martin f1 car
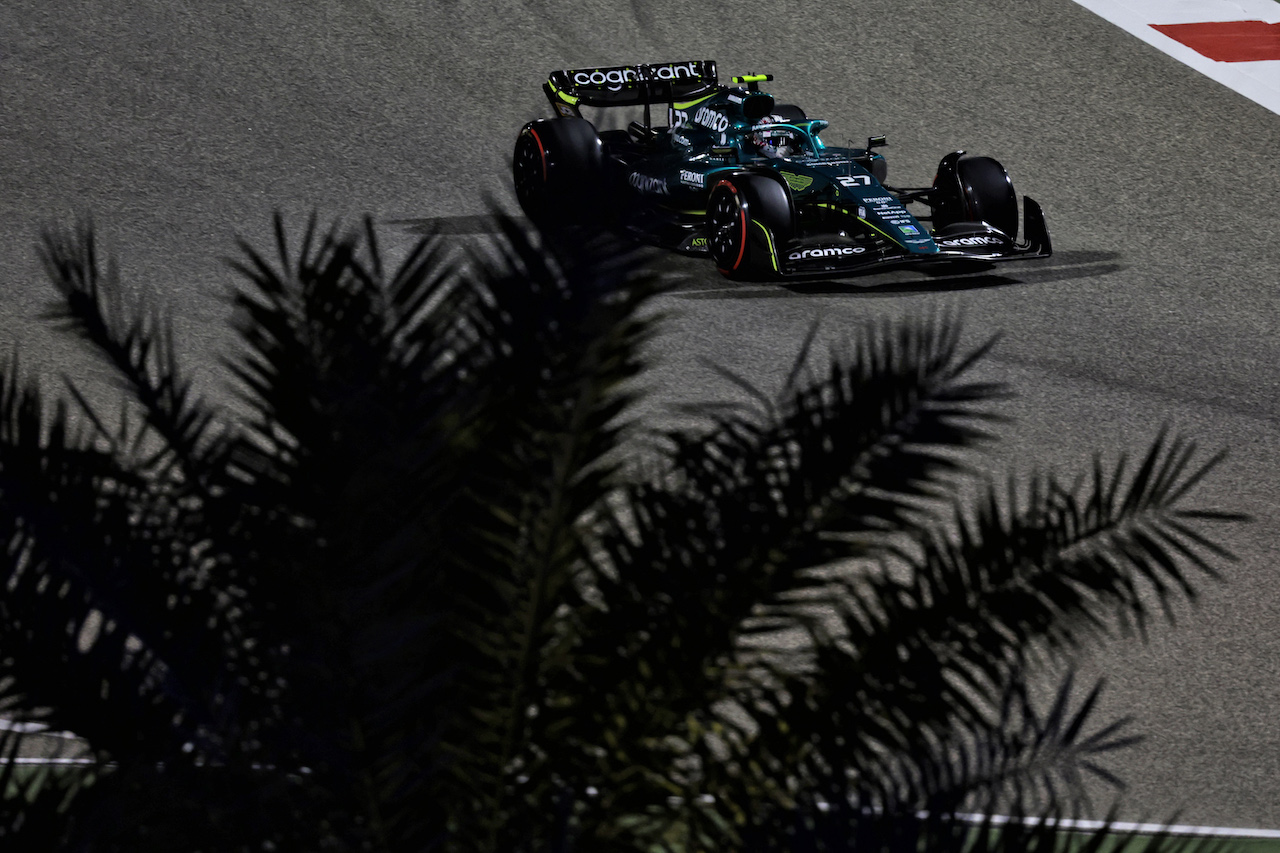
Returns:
(750,182)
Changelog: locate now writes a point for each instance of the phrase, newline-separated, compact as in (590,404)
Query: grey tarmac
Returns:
(179,125)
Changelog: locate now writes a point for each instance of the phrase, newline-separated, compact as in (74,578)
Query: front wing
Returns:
(818,256)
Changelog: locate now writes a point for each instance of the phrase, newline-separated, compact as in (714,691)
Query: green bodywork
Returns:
(659,178)
(712,136)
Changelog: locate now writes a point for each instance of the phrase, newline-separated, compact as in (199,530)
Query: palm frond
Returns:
(37,796)
(78,601)
(413,594)
(1045,569)
(842,465)
(138,342)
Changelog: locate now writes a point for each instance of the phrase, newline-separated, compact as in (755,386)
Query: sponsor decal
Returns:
(679,118)
(564,110)
(797,182)
(616,78)
(862,213)
(819,252)
(679,71)
(648,184)
(698,243)
(881,200)
(909,229)
(855,181)
(982,240)
(711,119)
(693,179)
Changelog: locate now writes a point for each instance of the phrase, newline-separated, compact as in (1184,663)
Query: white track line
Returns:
(1146,828)
(1063,823)
(33,729)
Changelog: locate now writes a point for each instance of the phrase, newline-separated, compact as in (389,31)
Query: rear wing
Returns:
(628,85)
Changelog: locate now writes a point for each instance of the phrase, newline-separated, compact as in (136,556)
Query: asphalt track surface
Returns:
(178,125)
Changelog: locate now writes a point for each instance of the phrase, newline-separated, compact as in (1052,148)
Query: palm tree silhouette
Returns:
(422,585)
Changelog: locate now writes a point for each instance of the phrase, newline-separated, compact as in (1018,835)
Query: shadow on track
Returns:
(1063,266)
(479,224)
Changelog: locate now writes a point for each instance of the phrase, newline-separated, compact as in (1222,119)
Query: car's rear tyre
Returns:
(974,189)
(749,216)
(557,168)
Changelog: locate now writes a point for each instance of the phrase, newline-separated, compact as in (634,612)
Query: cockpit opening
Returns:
(777,141)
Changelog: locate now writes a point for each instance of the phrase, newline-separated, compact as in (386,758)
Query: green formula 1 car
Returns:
(750,182)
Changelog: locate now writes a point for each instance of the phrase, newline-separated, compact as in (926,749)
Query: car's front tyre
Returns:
(749,217)
(974,189)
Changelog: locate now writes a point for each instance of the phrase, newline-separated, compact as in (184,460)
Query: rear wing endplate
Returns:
(628,85)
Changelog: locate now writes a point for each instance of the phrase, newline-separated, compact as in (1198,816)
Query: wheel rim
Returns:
(531,187)
(727,221)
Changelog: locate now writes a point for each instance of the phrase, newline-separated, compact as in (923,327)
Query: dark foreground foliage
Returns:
(414,591)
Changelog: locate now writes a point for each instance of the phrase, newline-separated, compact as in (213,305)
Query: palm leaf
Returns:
(417,590)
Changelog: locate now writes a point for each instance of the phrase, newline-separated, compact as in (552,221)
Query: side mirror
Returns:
(876,142)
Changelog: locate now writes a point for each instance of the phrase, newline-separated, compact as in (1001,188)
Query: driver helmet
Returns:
(773,142)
